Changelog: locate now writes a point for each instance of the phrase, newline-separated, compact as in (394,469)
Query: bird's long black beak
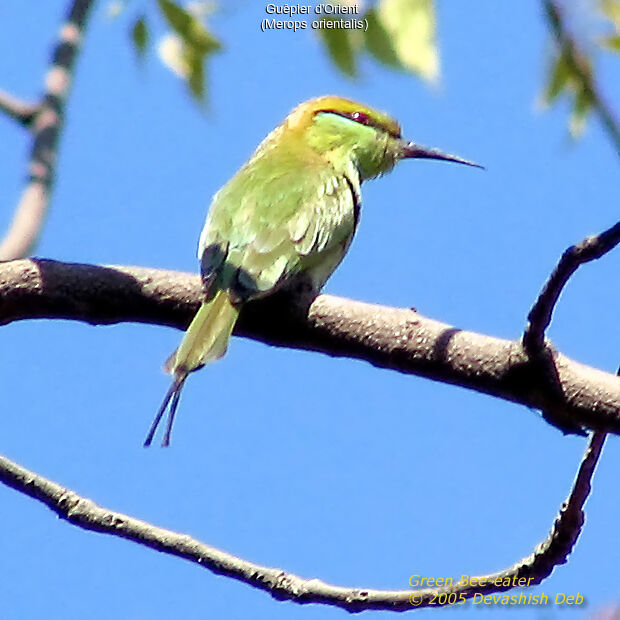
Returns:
(416,151)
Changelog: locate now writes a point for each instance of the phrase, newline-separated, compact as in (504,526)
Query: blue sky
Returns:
(324,467)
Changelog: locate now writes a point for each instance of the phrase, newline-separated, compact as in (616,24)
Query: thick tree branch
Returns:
(392,338)
(46,121)
(286,586)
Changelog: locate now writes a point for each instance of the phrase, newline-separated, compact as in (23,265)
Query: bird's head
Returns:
(343,130)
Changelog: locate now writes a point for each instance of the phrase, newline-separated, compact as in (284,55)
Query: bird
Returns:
(289,214)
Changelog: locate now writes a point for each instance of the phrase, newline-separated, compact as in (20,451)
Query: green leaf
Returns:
(558,80)
(191,30)
(140,36)
(379,42)
(177,17)
(196,75)
(185,51)
(611,10)
(340,45)
(611,43)
(411,26)
(581,106)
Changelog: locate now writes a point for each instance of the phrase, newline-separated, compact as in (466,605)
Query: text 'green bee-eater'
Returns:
(288,214)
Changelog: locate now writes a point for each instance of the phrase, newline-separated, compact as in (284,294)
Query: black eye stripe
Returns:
(363,119)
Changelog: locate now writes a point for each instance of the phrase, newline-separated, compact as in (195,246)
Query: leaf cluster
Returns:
(571,70)
(185,48)
(402,35)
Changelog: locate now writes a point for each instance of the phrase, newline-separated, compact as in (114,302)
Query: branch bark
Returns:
(46,121)
(84,513)
(393,338)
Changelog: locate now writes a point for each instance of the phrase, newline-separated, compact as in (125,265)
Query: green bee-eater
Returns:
(289,213)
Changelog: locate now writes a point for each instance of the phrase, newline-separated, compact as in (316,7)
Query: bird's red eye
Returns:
(388,126)
(360,117)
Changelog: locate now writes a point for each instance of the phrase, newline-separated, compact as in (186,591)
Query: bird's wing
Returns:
(265,227)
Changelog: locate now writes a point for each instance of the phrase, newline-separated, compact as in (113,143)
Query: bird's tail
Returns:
(205,341)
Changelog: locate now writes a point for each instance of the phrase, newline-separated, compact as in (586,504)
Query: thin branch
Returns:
(588,250)
(21,111)
(46,125)
(541,353)
(285,586)
(581,69)
(393,338)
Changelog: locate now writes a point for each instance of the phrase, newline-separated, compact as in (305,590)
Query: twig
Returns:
(46,125)
(581,69)
(588,250)
(286,586)
(22,111)
(392,338)
(541,353)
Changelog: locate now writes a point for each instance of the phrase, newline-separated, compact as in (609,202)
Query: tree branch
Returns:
(285,586)
(588,250)
(581,69)
(540,315)
(392,338)
(46,121)
(22,111)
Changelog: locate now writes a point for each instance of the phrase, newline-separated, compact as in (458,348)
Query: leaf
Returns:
(379,42)
(140,36)
(559,79)
(196,75)
(171,53)
(184,62)
(411,26)
(185,51)
(177,17)
(611,10)
(611,43)
(339,43)
(581,107)
(191,30)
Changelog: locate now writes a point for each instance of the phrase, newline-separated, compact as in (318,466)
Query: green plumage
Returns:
(255,241)
(289,212)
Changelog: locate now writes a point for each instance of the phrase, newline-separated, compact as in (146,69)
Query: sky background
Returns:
(327,468)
